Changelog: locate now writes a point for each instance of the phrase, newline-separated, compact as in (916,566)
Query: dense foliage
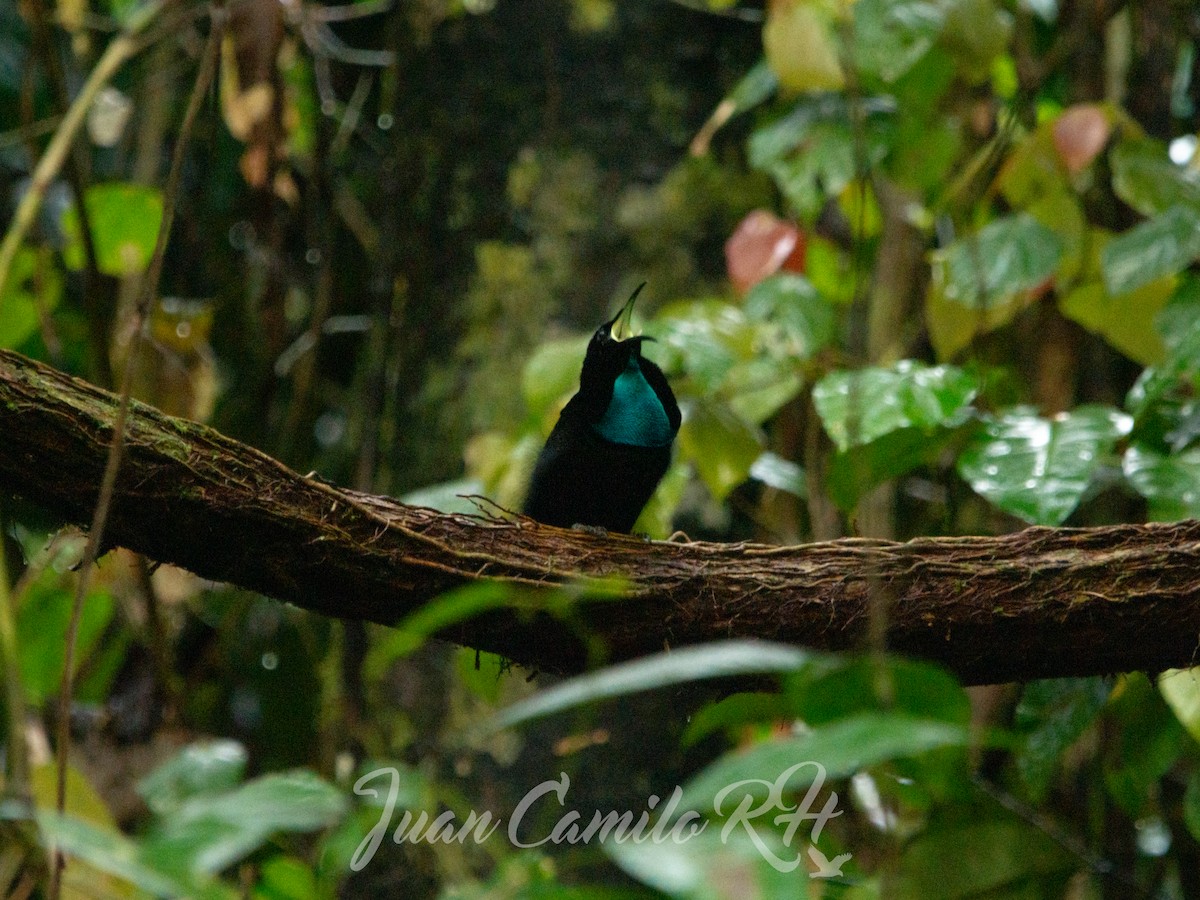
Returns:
(915,267)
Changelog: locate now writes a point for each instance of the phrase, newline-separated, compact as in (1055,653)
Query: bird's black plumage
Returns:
(612,442)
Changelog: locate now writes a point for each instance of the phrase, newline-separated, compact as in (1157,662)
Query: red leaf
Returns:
(761,245)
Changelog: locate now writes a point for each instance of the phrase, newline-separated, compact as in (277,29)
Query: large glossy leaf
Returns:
(687,664)
(1156,248)
(124,219)
(1171,483)
(209,832)
(842,748)
(858,407)
(1010,255)
(1038,469)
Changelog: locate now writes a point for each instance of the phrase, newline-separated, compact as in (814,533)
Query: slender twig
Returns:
(115,55)
(149,287)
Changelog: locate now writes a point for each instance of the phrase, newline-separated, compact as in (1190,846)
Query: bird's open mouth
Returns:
(622,326)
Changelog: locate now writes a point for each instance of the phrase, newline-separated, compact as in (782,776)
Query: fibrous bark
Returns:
(1039,603)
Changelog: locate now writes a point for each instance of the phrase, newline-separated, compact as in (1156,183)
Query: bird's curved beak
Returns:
(622,326)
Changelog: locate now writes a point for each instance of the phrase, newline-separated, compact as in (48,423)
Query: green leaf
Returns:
(1153,249)
(1170,483)
(1181,689)
(447,496)
(445,610)
(125,219)
(856,471)
(1009,858)
(41,626)
(715,864)
(1051,716)
(890,37)
(842,747)
(1145,743)
(1038,469)
(31,281)
(855,684)
(1146,179)
(858,407)
(688,664)
(206,767)
(721,445)
(801,322)
(552,373)
(208,833)
(779,473)
(1125,321)
(735,711)
(117,855)
(1008,256)
(707,337)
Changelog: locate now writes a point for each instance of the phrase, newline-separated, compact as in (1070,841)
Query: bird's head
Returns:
(614,342)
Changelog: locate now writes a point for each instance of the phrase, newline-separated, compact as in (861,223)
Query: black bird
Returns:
(612,442)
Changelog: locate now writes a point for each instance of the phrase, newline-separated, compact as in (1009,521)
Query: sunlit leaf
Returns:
(802,48)
(31,282)
(1181,689)
(858,407)
(1153,249)
(552,373)
(125,219)
(448,496)
(735,711)
(1038,469)
(451,607)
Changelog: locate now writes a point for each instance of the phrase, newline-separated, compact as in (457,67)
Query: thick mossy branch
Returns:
(1039,603)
